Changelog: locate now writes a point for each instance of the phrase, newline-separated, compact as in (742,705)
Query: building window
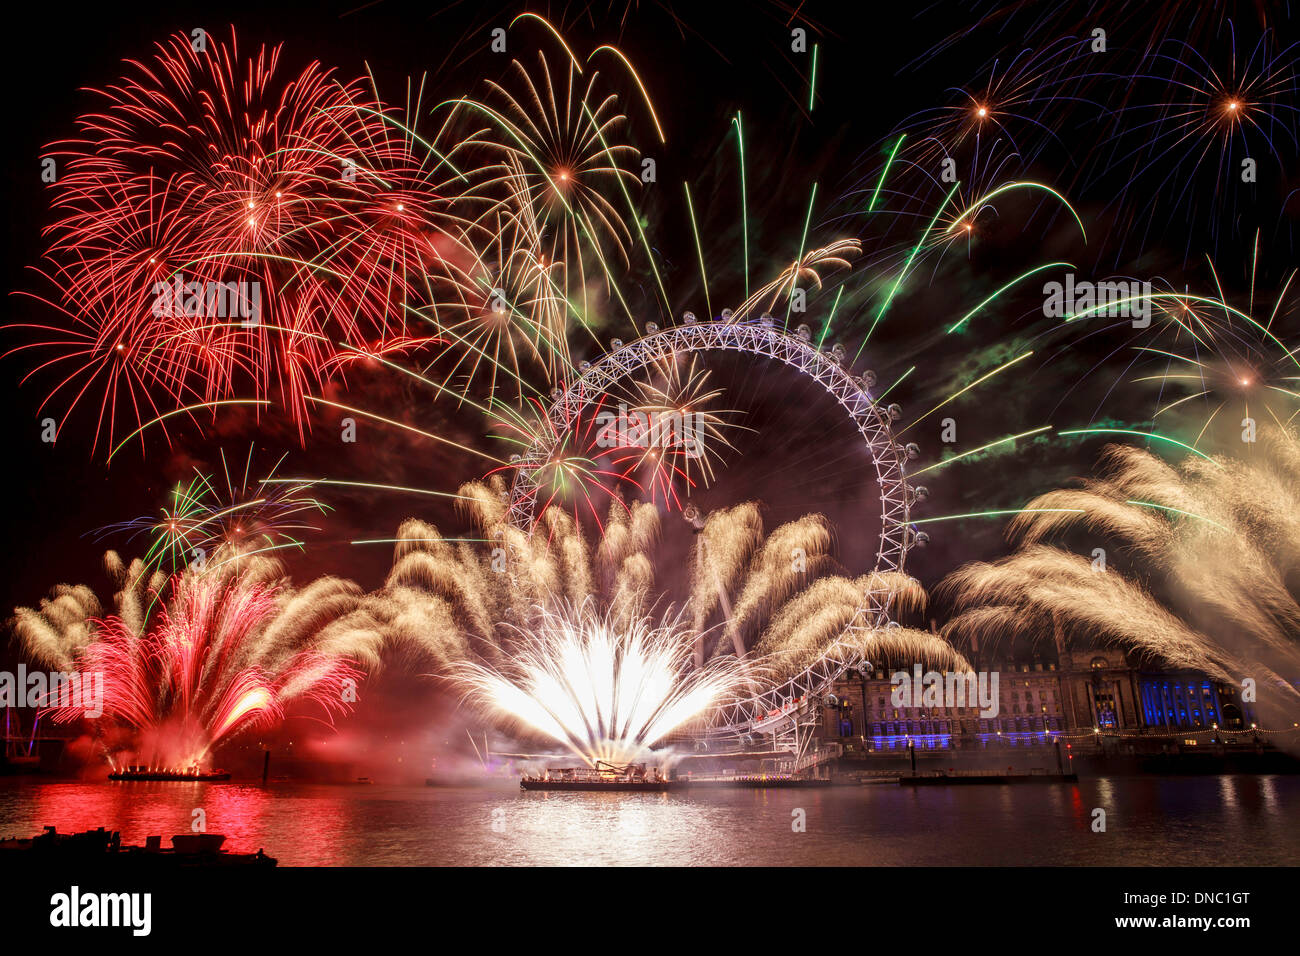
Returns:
(1105,704)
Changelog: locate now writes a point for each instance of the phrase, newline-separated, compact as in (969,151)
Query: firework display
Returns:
(608,690)
(223,652)
(744,595)
(664,400)
(1215,537)
(273,231)
(201,517)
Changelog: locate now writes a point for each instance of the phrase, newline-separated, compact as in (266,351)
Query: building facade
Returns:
(1038,700)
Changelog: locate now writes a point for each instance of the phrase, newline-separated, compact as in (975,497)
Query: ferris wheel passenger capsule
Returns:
(913,451)
(651,328)
(767,321)
(693,517)
(804,333)
(726,315)
(616,343)
(688,318)
(869,378)
(895,412)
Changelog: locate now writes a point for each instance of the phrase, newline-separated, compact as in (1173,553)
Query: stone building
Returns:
(1081,691)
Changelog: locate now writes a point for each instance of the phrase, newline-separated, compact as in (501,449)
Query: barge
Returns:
(635,778)
(603,777)
(169,774)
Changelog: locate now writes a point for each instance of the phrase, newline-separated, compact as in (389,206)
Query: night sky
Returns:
(879,66)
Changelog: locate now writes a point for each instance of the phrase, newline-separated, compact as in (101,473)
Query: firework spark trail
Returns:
(1203,354)
(555,141)
(231,509)
(656,435)
(1040,583)
(774,576)
(549,167)
(673,418)
(1180,101)
(585,461)
(1197,113)
(809,266)
(297,187)
(829,611)
(226,651)
(607,690)
(728,539)
(507,312)
(449,602)
(1210,582)
(1018,102)
(55,633)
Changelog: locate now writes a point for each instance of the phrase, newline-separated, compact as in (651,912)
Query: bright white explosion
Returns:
(607,692)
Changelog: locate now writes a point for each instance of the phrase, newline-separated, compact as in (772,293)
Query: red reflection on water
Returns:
(250,817)
(1082,817)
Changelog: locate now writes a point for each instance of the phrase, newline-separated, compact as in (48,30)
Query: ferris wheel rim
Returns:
(828,369)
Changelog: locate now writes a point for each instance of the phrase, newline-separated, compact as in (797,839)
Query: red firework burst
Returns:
(582,460)
(222,230)
(204,672)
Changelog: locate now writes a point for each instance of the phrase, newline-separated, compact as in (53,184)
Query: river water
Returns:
(1149,821)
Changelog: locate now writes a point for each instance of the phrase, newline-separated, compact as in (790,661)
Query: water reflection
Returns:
(1150,821)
